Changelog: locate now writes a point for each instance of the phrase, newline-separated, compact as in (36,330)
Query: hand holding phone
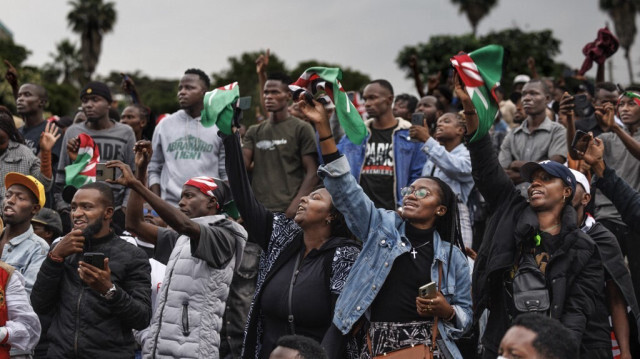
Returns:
(104,173)
(580,141)
(95,259)
(428,290)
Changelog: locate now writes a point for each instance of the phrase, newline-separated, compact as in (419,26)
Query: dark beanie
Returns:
(96,88)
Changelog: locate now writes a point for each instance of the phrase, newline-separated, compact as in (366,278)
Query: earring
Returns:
(328,221)
(564,198)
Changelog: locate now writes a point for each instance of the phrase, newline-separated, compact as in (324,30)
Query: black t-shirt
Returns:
(310,302)
(32,140)
(396,301)
(376,177)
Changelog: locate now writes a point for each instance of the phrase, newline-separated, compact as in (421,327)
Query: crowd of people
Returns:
(134,235)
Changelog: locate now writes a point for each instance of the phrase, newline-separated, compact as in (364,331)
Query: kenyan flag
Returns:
(480,71)
(324,84)
(83,169)
(217,107)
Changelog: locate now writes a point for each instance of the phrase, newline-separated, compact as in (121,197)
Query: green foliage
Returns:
(16,55)
(433,57)
(475,10)
(91,19)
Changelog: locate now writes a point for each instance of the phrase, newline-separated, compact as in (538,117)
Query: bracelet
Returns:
(325,138)
(452,315)
(55,258)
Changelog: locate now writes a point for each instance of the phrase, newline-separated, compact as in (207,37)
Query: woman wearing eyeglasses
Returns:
(401,253)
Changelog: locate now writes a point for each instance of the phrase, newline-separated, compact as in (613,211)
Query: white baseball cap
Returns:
(582,179)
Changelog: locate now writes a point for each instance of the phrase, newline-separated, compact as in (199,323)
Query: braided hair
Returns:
(448,226)
(8,126)
(339,226)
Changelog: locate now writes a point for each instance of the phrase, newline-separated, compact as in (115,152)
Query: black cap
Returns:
(97,88)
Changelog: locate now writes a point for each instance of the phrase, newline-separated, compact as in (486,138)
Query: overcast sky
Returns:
(164,37)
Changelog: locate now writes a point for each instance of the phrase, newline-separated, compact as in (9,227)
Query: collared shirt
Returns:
(23,325)
(19,158)
(454,167)
(26,253)
(546,141)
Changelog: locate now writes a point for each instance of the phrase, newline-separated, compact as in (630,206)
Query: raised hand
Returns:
(433,81)
(72,148)
(467,104)
(128,86)
(606,116)
(12,74)
(49,136)
(72,243)
(316,114)
(566,108)
(420,133)
(127,179)
(413,62)
(143,152)
(262,62)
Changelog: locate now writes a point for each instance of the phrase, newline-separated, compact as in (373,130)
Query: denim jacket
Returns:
(26,253)
(383,236)
(454,167)
(408,159)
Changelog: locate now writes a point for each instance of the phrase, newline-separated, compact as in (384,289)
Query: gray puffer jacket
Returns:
(192,299)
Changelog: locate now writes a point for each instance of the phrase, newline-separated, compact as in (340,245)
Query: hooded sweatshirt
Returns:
(183,148)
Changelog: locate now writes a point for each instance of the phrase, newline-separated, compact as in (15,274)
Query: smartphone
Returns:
(95,259)
(417,119)
(428,290)
(582,107)
(580,141)
(104,173)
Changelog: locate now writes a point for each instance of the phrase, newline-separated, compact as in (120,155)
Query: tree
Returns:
(352,80)
(475,10)
(623,14)
(433,57)
(66,66)
(16,55)
(91,19)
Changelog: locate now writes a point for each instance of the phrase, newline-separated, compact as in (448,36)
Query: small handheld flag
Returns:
(218,108)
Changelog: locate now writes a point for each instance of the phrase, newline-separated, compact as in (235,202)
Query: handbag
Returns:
(418,351)
(530,292)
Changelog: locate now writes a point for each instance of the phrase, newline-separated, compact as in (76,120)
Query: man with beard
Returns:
(95,308)
(182,146)
(115,141)
(432,110)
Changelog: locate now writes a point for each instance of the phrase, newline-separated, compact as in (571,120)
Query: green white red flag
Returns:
(83,169)
(324,84)
(218,109)
(480,71)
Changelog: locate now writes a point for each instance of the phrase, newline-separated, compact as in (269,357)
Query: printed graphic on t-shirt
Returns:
(189,148)
(379,159)
(269,145)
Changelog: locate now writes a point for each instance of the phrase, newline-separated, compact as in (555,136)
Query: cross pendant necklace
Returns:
(413,250)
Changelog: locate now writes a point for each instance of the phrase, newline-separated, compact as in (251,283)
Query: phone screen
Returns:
(417,119)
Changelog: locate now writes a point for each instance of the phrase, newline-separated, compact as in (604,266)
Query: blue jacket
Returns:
(408,159)
(454,167)
(383,236)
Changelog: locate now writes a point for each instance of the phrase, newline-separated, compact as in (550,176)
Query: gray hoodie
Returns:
(182,149)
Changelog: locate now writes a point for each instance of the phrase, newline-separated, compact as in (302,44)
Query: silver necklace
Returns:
(413,250)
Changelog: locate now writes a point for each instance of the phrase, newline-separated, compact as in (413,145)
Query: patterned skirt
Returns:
(390,336)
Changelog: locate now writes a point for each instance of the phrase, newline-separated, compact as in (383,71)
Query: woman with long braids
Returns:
(400,254)
(303,267)
(15,156)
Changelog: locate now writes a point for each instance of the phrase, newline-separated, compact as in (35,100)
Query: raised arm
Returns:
(348,197)
(134,221)
(417,80)
(12,78)
(261,68)
(258,219)
(490,178)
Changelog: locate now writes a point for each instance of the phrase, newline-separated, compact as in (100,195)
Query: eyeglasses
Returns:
(419,193)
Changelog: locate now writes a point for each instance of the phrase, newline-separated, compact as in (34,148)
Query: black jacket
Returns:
(574,272)
(624,197)
(84,324)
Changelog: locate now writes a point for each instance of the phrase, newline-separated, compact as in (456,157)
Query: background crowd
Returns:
(132,234)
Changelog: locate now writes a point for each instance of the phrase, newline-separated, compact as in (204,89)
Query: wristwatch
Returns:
(110,293)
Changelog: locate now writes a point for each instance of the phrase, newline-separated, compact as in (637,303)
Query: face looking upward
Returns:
(448,127)
(314,208)
(629,111)
(423,211)
(546,191)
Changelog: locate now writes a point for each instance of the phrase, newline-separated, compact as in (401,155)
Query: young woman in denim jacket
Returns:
(401,252)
